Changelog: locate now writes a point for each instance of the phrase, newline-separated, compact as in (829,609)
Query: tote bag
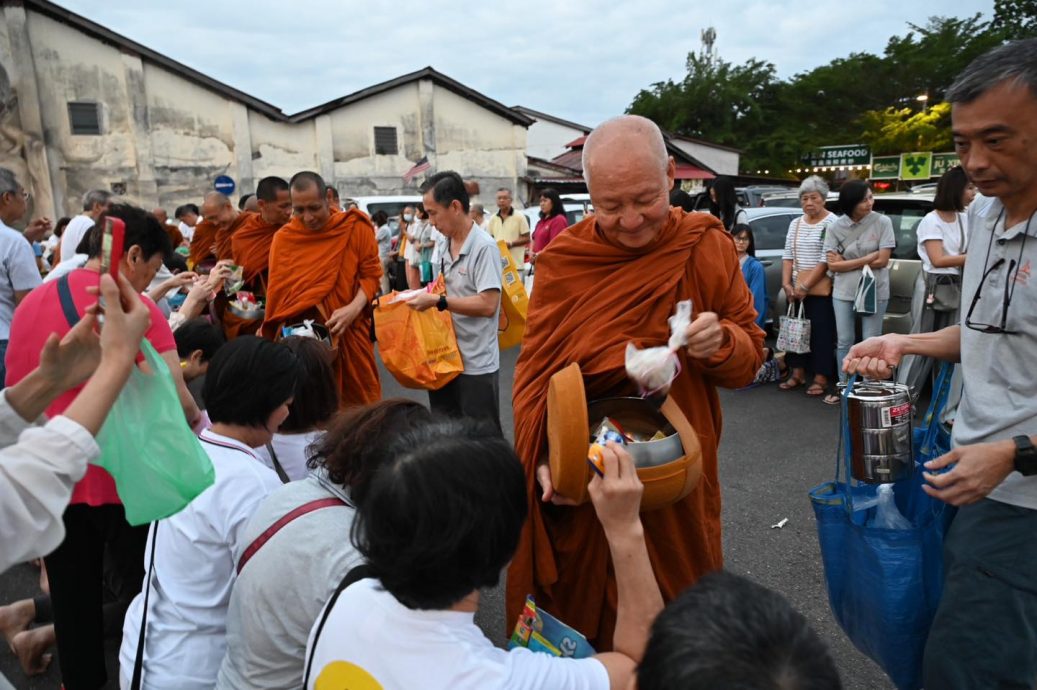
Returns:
(884,585)
(866,300)
(794,332)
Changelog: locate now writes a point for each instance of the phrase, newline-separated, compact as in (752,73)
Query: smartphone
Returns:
(112,246)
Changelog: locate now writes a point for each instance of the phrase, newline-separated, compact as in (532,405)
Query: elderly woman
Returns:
(805,279)
(859,237)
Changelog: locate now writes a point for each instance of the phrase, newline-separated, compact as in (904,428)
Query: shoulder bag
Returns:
(823,286)
(943,290)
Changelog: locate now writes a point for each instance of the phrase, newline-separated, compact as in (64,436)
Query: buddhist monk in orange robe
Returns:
(612,279)
(325,266)
(201,252)
(219,212)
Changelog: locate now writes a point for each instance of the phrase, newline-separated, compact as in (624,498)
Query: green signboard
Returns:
(885,168)
(836,156)
(942,162)
(916,166)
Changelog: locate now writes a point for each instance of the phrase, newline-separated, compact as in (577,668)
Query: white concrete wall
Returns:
(722,161)
(547,139)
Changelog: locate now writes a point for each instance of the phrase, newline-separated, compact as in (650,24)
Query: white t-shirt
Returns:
(196,555)
(74,233)
(371,640)
(283,587)
(932,227)
(18,273)
(291,453)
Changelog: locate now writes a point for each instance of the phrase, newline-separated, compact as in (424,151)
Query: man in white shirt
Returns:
(18,270)
(95,203)
(188,215)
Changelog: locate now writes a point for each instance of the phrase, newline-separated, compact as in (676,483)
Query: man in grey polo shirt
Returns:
(984,634)
(472,268)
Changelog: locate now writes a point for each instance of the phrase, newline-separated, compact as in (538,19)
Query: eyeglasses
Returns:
(742,239)
(1010,282)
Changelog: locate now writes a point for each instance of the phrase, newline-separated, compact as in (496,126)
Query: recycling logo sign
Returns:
(916,166)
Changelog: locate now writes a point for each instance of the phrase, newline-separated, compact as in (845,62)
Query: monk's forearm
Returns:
(360,300)
(639,598)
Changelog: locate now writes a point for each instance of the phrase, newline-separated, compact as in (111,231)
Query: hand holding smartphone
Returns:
(112,240)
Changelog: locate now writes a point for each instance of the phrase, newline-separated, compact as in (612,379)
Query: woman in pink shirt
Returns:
(552,220)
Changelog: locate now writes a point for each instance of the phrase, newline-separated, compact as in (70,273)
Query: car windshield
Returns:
(769,231)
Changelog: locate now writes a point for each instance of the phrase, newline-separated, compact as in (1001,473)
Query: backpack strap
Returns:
(138,661)
(68,305)
(288,517)
(356,574)
(281,474)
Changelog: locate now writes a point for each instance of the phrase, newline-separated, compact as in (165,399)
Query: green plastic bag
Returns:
(158,463)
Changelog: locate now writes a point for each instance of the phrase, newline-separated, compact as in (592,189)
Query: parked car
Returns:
(748,197)
(905,210)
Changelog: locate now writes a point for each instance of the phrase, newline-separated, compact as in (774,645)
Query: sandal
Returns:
(816,390)
(791,383)
(831,399)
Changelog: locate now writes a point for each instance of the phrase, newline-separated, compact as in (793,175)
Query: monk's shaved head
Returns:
(625,136)
(218,209)
(268,188)
(306,179)
(629,176)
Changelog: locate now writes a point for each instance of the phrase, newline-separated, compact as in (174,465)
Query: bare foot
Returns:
(30,646)
(14,618)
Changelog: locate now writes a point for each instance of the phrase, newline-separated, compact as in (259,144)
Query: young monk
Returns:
(325,266)
(610,280)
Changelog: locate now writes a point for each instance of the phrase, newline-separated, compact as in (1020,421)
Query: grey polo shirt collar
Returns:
(466,248)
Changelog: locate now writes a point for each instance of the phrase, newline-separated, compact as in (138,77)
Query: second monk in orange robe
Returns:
(328,261)
(612,279)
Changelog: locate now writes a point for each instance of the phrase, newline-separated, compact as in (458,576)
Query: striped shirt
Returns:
(809,240)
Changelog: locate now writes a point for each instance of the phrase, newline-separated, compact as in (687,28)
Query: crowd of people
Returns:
(345,538)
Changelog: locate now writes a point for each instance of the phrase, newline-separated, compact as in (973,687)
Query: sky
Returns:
(581,60)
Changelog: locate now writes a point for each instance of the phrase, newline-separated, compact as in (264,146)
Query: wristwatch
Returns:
(441,304)
(1025,456)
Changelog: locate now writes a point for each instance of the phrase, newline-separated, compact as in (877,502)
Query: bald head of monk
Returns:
(333,198)
(275,201)
(629,176)
(310,200)
(160,215)
(218,210)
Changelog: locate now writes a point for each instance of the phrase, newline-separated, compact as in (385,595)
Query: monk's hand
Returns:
(875,357)
(975,471)
(549,495)
(616,495)
(423,301)
(343,317)
(705,336)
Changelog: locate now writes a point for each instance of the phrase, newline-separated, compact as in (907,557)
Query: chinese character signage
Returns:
(942,162)
(837,156)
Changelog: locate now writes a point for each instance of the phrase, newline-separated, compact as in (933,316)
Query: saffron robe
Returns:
(592,298)
(310,271)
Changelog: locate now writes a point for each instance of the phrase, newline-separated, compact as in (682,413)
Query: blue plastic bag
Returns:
(157,462)
(884,585)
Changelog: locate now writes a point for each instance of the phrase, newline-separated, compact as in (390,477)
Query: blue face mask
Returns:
(407,218)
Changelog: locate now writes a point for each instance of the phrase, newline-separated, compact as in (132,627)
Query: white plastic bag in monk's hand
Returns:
(653,369)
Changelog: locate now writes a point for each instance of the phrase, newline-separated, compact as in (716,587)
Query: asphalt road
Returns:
(776,446)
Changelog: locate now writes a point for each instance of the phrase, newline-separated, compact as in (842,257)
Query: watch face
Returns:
(1025,456)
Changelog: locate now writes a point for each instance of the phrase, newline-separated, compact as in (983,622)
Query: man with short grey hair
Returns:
(511,227)
(18,271)
(95,203)
(984,634)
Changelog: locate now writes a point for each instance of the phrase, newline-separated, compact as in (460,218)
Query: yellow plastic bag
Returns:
(514,302)
(418,348)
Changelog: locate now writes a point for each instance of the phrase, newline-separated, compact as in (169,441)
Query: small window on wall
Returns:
(84,118)
(385,141)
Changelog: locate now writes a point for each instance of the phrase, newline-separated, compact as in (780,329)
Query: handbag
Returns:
(794,332)
(823,287)
(866,300)
(884,585)
(942,292)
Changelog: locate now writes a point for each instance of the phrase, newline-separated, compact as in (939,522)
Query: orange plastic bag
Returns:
(418,348)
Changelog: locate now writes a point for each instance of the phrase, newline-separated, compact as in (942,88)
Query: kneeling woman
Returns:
(191,555)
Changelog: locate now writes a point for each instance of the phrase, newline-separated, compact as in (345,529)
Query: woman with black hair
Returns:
(723,203)
(752,269)
(859,237)
(440,519)
(316,401)
(552,221)
(192,554)
(943,236)
(275,601)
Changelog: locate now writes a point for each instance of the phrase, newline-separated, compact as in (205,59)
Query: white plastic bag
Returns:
(887,515)
(654,368)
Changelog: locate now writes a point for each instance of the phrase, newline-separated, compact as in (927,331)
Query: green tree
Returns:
(1015,19)
(895,130)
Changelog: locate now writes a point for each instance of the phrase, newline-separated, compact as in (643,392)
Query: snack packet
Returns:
(608,430)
